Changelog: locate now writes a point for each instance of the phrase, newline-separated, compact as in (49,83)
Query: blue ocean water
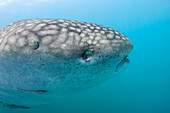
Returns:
(144,86)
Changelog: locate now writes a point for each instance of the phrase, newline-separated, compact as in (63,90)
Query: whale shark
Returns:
(42,60)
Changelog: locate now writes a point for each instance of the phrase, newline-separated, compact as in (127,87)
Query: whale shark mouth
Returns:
(122,65)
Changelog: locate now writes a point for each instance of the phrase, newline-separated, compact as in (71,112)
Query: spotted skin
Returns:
(59,35)
(57,58)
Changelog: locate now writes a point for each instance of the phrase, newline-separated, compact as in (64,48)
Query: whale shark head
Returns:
(57,58)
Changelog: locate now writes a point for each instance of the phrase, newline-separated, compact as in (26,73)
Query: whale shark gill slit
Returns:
(13,106)
(32,91)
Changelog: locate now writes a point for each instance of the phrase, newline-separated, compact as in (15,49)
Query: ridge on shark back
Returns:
(45,59)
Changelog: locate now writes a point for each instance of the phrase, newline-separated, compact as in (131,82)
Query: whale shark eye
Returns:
(87,55)
(35,45)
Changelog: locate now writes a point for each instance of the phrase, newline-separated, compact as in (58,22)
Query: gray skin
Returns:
(45,59)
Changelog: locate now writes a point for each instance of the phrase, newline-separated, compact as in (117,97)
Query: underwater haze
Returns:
(144,86)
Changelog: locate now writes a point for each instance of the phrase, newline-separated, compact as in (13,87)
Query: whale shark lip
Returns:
(122,65)
(125,59)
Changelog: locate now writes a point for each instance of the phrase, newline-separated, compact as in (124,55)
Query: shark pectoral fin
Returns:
(122,65)
(33,91)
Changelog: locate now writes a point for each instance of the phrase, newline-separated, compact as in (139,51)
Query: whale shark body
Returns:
(42,60)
